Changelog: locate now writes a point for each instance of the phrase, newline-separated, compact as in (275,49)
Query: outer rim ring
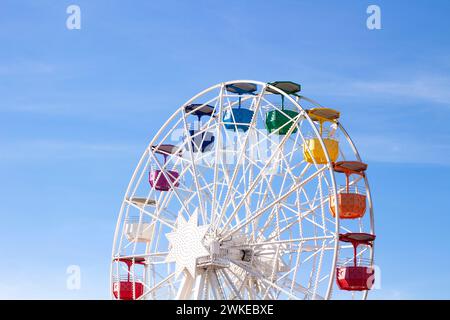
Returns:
(316,133)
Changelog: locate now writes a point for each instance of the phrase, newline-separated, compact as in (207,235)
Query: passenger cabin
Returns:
(312,148)
(239,119)
(164,180)
(201,140)
(281,121)
(356,274)
(351,198)
(126,287)
(140,229)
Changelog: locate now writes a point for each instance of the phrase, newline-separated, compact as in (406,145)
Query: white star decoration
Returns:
(186,244)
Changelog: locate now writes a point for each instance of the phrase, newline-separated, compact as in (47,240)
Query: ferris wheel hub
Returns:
(223,253)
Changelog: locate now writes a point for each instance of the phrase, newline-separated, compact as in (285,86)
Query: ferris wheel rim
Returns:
(296,103)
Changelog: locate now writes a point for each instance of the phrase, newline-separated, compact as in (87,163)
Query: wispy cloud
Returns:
(60,149)
(431,88)
(435,89)
(389,294)
(28,67)
(403,150)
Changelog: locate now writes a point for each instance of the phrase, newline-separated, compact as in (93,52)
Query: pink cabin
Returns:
(164,180)
(160,179)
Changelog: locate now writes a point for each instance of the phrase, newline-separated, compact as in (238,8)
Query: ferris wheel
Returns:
(250,190)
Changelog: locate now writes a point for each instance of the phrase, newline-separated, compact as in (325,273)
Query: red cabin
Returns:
(163,180)
(359,278)
(356,274)
(125,288)
(351,199)
(128,290)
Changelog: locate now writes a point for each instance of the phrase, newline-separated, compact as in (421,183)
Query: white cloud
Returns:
(26,67)
(60,149)
(431,88)
(388,294)
(403,150)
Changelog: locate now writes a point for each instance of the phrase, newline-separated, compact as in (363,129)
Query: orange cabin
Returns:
(351,199)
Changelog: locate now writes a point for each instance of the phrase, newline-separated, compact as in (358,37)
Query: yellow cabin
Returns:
(312,149)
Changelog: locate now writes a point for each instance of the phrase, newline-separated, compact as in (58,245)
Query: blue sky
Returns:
(77,108)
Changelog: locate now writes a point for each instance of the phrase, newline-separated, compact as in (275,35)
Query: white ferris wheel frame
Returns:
(304,114)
